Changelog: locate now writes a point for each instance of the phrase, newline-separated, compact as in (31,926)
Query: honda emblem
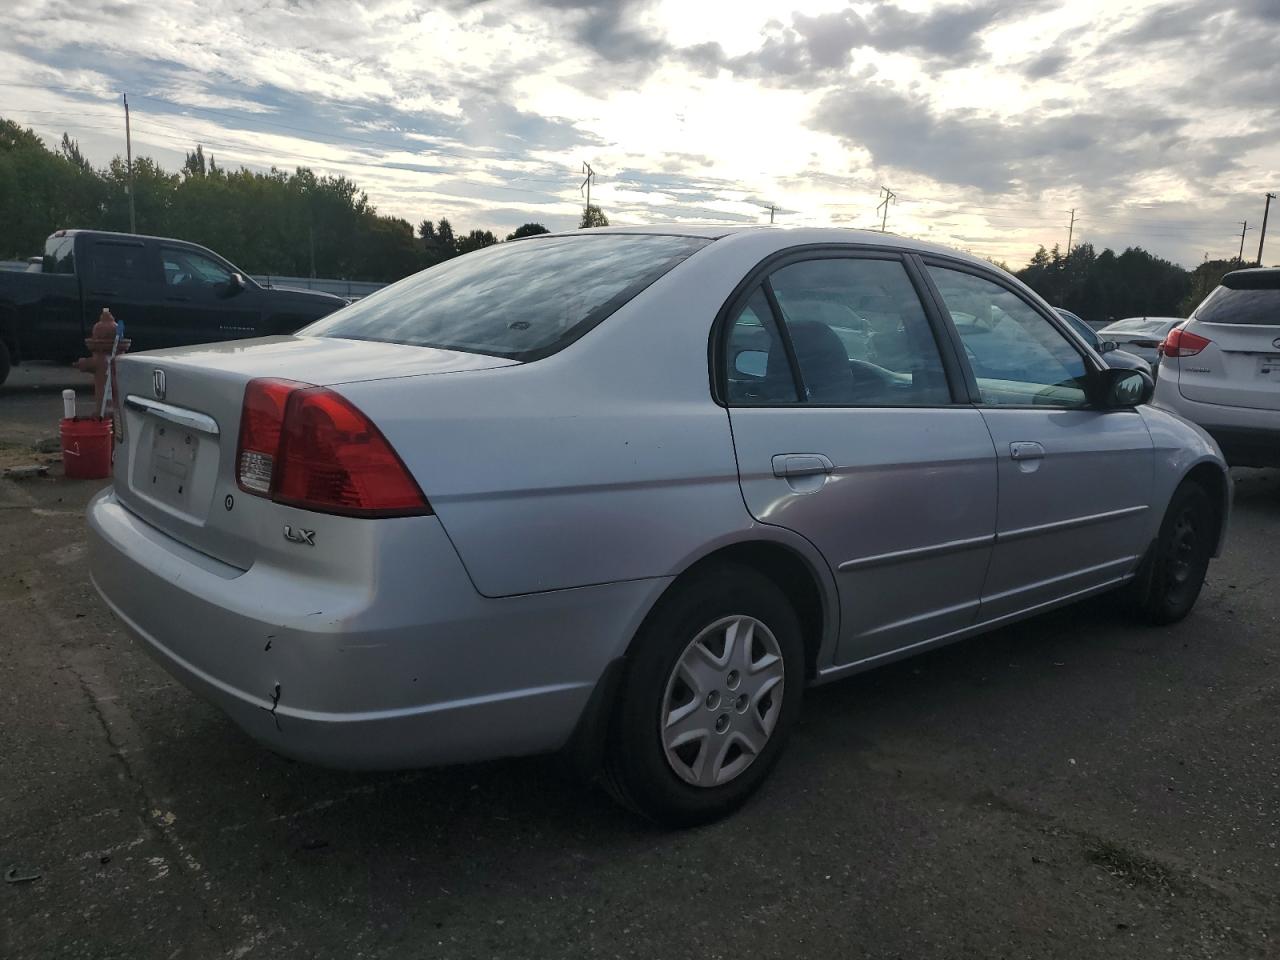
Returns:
(157,383)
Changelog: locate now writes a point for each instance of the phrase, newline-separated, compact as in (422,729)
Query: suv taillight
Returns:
(308,447)
(1181,343)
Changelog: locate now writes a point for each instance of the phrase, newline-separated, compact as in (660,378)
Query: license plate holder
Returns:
(173,464)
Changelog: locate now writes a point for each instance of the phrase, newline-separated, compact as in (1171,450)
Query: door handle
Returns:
(1026,450)
(800,464)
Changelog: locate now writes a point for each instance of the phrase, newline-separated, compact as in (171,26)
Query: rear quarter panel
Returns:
(1180,446)
(607,461)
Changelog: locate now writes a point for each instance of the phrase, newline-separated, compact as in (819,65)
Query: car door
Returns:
(1074,481)
(202,303)
(848,432)
(123,275)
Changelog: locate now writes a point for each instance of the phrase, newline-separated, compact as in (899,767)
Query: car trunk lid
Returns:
(180,421)
(1240,367)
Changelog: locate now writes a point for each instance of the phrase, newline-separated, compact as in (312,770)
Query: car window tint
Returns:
(1017,355)
(1251,307)
(860,334)
(756,367)
(186,268)
(522,299)
(59,255)
(120,263)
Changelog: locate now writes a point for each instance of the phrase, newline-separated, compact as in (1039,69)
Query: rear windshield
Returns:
(1256,307)
(1137,325)
(522,300)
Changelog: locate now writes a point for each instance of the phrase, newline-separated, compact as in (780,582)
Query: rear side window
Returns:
(115,264)
(521,300)
(59,255)
(1252,307)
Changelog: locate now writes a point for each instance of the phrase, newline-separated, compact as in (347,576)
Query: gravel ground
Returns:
(1073,786)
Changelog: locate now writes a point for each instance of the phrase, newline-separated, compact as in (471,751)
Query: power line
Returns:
(889,197)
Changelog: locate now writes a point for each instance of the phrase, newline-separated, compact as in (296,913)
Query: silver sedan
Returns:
(626,493)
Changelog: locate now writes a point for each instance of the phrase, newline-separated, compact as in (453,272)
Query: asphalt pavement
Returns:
(1072,786)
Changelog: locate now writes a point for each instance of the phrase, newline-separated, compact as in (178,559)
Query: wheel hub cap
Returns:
(722,701)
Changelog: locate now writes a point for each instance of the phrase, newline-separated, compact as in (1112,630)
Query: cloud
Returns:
(970,148)
(818,49)
(1047,64)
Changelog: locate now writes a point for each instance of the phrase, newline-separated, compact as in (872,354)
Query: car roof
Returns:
(77,231)
(790,237)
(1151,319)
(1257,278)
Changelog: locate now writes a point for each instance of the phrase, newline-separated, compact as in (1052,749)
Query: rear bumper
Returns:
(1249,437)
(411,667)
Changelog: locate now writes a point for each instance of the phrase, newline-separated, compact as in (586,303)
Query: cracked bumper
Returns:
(400,664)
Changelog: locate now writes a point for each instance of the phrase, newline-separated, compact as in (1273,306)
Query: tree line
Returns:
(301,224)
(1111,286)
(290,224)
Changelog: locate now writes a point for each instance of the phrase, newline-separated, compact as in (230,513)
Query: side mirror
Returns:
(235,283)
(1120,389)
(1106,346)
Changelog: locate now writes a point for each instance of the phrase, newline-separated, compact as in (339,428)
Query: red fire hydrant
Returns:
(86,441)
(99,343)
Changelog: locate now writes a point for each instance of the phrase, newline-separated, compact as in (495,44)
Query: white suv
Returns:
(1221,369)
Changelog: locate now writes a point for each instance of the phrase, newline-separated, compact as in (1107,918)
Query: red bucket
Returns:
(86,448)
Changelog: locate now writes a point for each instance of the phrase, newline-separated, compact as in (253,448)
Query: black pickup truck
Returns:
(167,293)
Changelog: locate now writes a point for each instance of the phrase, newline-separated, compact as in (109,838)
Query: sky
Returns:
(1157,122)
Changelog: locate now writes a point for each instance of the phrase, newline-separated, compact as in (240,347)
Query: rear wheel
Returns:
(1169,583)
(712,691)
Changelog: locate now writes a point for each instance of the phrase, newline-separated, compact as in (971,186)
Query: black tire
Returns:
(1169,582)
(6,362)
(635,766)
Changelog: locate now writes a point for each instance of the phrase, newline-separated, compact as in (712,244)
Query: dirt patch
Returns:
(1133,869)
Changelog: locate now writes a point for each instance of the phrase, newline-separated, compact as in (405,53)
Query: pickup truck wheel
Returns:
(6,362)
(711,693)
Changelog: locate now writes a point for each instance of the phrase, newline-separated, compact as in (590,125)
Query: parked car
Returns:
(1115,358)
(1221,369)
(627,492)
(167,292)
(1141,336)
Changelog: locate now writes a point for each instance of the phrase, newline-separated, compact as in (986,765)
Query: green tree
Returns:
(527,230)
(593,216)
(476,240)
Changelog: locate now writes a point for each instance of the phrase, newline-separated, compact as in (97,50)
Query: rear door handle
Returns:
(1026,450)
(800,464)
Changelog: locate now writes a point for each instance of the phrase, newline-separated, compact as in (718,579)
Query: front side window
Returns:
(859,334)
(519,300)
(1018,357)
(188,269)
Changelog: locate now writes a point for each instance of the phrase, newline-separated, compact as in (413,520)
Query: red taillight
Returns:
(308,447)
(260,422)
(1181,343)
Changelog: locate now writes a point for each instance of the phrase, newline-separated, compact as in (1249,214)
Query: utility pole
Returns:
(1244,226)
(772,208)
(1071,229)
(1262,239)
(590,175)
(128,152)
(888,197)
